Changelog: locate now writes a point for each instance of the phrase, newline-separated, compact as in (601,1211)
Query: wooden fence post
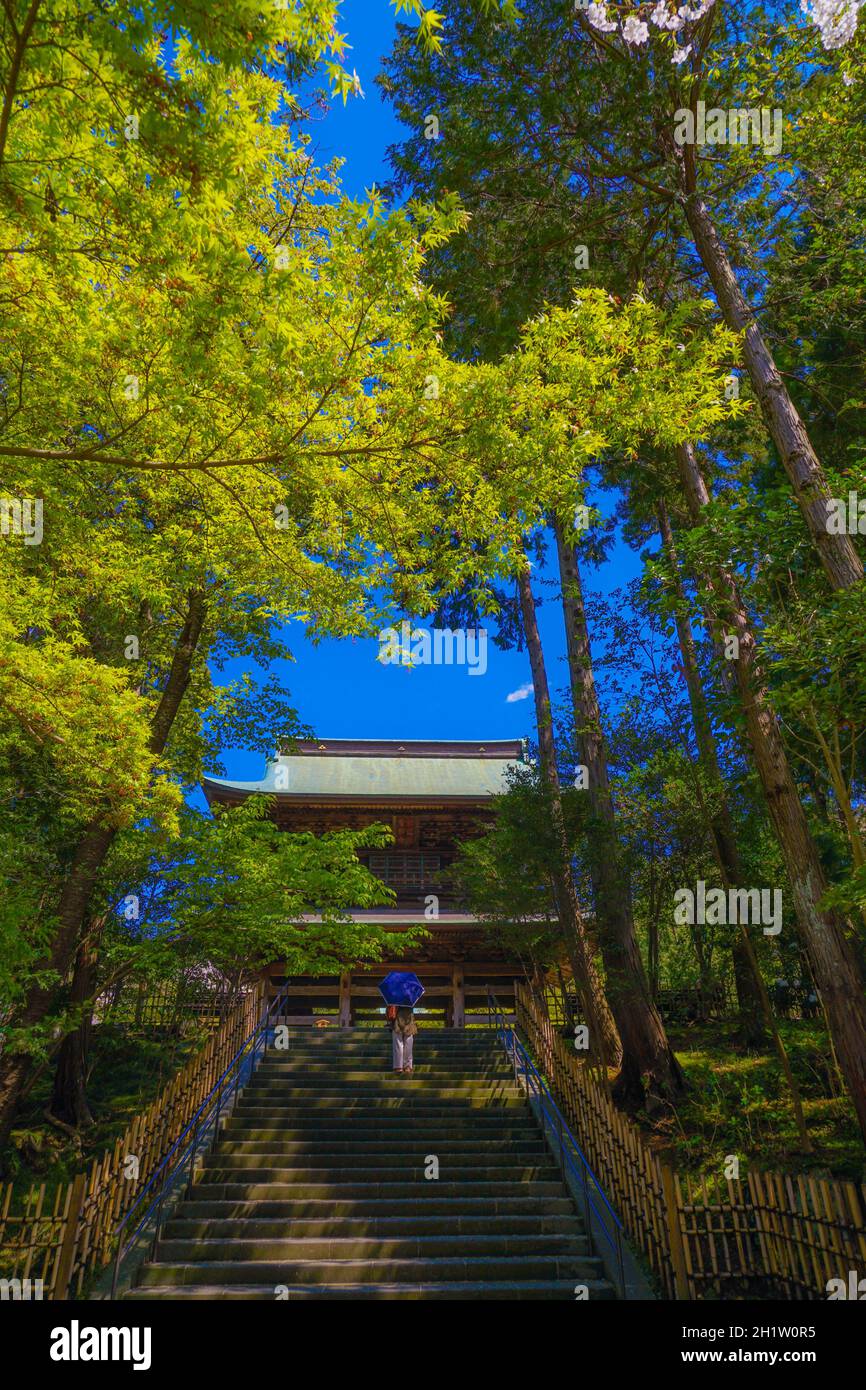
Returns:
(70,1236)
(675,1234)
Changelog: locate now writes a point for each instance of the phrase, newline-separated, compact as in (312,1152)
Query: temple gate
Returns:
(433,794)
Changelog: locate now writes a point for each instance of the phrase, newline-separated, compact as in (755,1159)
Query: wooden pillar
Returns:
(345,1000)
(458,997)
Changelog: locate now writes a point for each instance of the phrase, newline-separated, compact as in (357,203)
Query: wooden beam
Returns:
(372,992)
(476,969)
(323,991)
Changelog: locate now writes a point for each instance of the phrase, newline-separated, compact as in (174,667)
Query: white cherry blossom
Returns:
(835,20)
(597,16)
(634,30)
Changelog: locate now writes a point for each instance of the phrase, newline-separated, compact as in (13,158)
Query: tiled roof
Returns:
(379,770)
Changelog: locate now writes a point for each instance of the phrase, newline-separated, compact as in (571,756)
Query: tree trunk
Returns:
(42,997)
(89,857)
(721,825)
(832,755)
(653,936)
(69,1101)
(838,554)
(603,1034)
(754,1001)
(825,935)
(648,1061)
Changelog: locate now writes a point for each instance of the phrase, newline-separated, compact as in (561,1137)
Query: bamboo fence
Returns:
(766,1235)
(140,1006)
(66,1241)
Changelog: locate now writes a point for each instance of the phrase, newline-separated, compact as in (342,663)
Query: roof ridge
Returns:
(507,749)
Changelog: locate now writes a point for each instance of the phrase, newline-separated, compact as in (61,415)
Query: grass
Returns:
(738,1103)
(128,1073)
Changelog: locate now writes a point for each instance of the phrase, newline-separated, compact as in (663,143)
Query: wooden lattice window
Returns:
(406,870)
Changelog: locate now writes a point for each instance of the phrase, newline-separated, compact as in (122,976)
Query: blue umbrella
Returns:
(401,987)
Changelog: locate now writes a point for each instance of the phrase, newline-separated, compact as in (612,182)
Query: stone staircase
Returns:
(317,1186)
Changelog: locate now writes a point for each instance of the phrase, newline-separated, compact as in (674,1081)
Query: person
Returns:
(404,1029)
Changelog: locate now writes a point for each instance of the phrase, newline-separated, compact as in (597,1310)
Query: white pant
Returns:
(402,1049)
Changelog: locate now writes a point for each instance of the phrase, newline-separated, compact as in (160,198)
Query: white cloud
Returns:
(522,693)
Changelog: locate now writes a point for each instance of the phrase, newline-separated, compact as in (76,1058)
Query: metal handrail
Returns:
(569,1151)
(206,1118)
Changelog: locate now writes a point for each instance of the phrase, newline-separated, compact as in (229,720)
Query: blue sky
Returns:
(339,688)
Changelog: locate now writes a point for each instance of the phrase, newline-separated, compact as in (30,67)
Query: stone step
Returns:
(367,1083)
(282,1049)
(316,1187)
(376,1070)
(235,1188)
(327,1153)
(381,1064)
(354,1037)
(381,1057)
(381,1095)
(277,1074)
(379,1082)
(408,1099)
(487,1269)
(313,1142)
(451,1290)
(380,1040)
(448,1136)
(311,1248)
(382,1060)
(296,1129)
(251,1226)
(380,1044)
(422,1208)
(335,1168)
